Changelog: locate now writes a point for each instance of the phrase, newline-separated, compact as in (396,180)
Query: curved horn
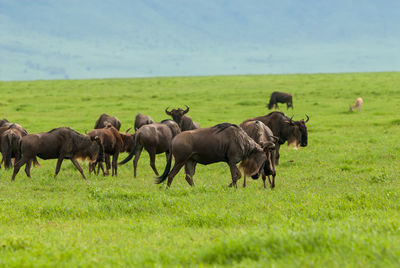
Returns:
(187,109)
(127,131)
(308,118)
(167,112)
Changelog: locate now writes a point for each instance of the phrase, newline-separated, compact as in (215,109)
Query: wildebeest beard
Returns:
(249,167)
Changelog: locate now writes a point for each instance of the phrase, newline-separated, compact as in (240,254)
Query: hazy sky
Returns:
(57,39)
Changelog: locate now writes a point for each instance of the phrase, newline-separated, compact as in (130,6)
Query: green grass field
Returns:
(336,204)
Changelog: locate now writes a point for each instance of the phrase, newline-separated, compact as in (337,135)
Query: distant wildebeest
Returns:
(183,121)
(10,141)
(59,143)
(261,134)
(142,120)
(358,105)
(222,143)
(283,127)
(280,97)
(156,139)
(112,143)
(104,119)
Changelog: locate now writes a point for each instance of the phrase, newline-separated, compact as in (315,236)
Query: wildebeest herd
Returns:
(254,144)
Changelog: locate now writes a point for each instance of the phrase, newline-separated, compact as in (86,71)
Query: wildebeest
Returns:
(283,127)
(5,123)
(225,142)
(183,121)
(280,97)
(59,143)
(10,141)
(262,135)
(358,105)
(112,143)
(142,120)
(102,122)
(104,119)
(156,139)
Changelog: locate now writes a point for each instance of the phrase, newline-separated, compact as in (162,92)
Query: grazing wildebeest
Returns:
(156,139)
(261,134)
(283,127)
(183,121)
(280,97)
(142,120)
(9,145)
(112,143)
(59,143)
(104,119)
(225,142)
(358,105)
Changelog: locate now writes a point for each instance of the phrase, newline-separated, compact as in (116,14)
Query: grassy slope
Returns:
(337,202)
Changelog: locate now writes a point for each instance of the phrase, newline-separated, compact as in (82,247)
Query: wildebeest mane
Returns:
(221,127)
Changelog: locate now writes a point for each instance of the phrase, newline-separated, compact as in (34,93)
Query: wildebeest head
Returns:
(94,151)
(253,164)
(298,136)
(177,114)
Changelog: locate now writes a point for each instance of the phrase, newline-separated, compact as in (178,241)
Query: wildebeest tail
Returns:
(7,162)
(164,176)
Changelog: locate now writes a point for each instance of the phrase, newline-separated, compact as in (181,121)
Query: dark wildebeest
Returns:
(59,143)
(104,119)
(283,127)
(280,97)
(222,143)
(142,120)
(261,134)
(112,143)
(9,145)
(156,139)
(183,121)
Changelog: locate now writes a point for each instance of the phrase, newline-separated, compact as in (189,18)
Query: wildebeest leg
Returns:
(58,166)
(235,173)
(138,151)
(244,180)
(114,164)
(28,168)
(273,181)
(277,146)
(102,169)
(76,164)
(17,166)
(174,171)
(190,168)
(108,165)
(152,155)
(264,178)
